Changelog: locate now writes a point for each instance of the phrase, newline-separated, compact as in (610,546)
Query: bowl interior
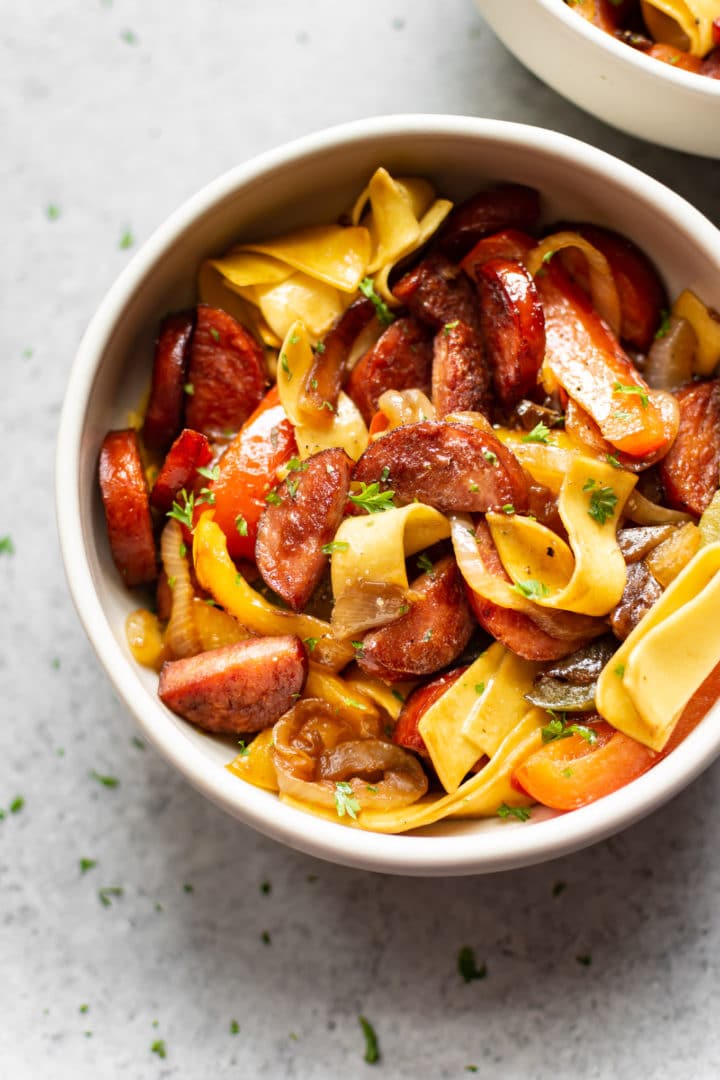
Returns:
(310,181)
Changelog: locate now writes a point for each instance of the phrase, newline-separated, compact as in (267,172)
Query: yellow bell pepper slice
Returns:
(707,330)
(255,763)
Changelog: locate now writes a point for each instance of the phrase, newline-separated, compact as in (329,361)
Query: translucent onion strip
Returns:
(181,635)
(605,298)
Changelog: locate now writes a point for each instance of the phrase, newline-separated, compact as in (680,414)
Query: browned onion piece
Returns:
(670,361)
(181,636)
(369,605)
(314,749)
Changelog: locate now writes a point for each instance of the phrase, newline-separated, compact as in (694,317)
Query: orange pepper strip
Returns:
(584,357)
(568,773)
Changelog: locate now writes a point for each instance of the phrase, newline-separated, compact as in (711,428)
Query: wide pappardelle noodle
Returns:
(683,33)
(436,492)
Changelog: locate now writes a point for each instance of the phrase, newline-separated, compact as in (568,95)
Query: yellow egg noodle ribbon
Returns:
(686,24)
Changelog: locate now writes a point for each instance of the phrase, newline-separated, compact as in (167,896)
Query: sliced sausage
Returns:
(237,688)
(640,288)
(329,367)
(510,206)
(163,418)
(691,468)
(460,376)
(508,244)
(710,67)
(448,466)
(513,326)
(437,292)
(641,591)
(226,374)
(127,507)
(189,451)
(433,633)
(401,359)
(406,732)
(516,630)
(299,523)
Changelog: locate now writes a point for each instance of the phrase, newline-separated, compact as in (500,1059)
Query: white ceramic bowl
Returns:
(610,79)
(311,180)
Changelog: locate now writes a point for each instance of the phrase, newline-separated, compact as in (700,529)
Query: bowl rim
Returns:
(490,850)
(633,58)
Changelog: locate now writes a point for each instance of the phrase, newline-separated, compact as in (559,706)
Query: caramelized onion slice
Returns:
(670,360)
(645,512)
(181,635)
(604,294)
(369,605)
(405,407)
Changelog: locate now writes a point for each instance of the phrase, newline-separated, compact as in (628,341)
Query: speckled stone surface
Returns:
(113,113)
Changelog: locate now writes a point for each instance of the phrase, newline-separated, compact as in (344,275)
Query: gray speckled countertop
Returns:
(113,113)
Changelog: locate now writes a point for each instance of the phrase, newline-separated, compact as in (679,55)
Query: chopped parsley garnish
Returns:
(467,967)
(158,1047)
(449,326)
(241,525)
(285,366)
(329,406)
(548,256)
(319,348)
(16,805)
(206,496)
(273,498)
(171,581)
(188,888)
(292,486)
(603,501)
(335,545)
(6,546)
(345,801)
(129,37)
(520,812)
(214,333)
(428,634)
(311,642)
(296,465)
(183,509)
(664,324)
(424,563)
(106,781)
(567,773)
(234,1027)
(612,460)
(87,864)
(621,414)
(490,457)
(480,688)
(385,473)
(126,240)
(619,670)
(558,728)
(182,550)
(295,339)
(265,938)
(372,1051)
(398,696)
(105,895)
(84,1008)
(244,749)
(539,434)
(210,472)
(383,312)
(53,212)
(508,508)
(639,391)
(474,487)
(531,589)
(372,499)
(371,788)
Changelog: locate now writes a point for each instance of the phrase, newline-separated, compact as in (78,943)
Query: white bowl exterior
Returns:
(310,180)
(609,79)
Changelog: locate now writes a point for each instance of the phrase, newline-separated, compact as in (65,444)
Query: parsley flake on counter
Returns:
(188,888)
(126,240)
(471,1068)
(539,434)
(87,864)
(105,895)
(234,1027)
(372,499)
(520,812)
(265,938)
(159,1048)
(16,805)
(266,888)
(52,212)
(84,1008)
(383,312)
(531,589)
(106,781)
(558,887)
(467,967)
(6,545)
(345,801)
(585,960)
(640,391)
(335,545)
(372,1050)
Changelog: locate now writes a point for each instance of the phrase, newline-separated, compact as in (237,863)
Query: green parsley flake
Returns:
(612,460)
(480,688)
(539,434)
(467,967)
(234,1027)
(382,311)
(292,486)
(558,728)
(265,938)
(567,773)
(621,414)
(585,960)
(372,1050)
(285,366)
(105,895)
(187,888)
(508,508)
(183,509)
(319,348)
(335,545)
(87,864)
(664,324)
(603,501)
(106,781)
(266,888)
(640,391)
(130,38)
(189,389)
(531,589)
(450,326)
(520,812)
(385,473)
(16,805)
(295,339)
(52,212)
(6,546)
(84,1008)
(126,240)
(273,498)
(244,749)
(424,563)
(372,499)
(345,801)
(296,465)
(474,487)
(159,1048)
(210,472)
(559,887)
(241,525)
(490,457)
(428,634)
(311,642)
(619,670)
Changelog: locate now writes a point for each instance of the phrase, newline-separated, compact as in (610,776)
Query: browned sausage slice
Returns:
(437,292)
(127,507)
(513,326)
(226,375)
(163,418)
(433,633)
(691,468)
(299,522)
(399,360)
(237,688)
(406,732)
(510,206)
(448,466)
(189,451)
(460,377)
(330,361)
(515,629)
